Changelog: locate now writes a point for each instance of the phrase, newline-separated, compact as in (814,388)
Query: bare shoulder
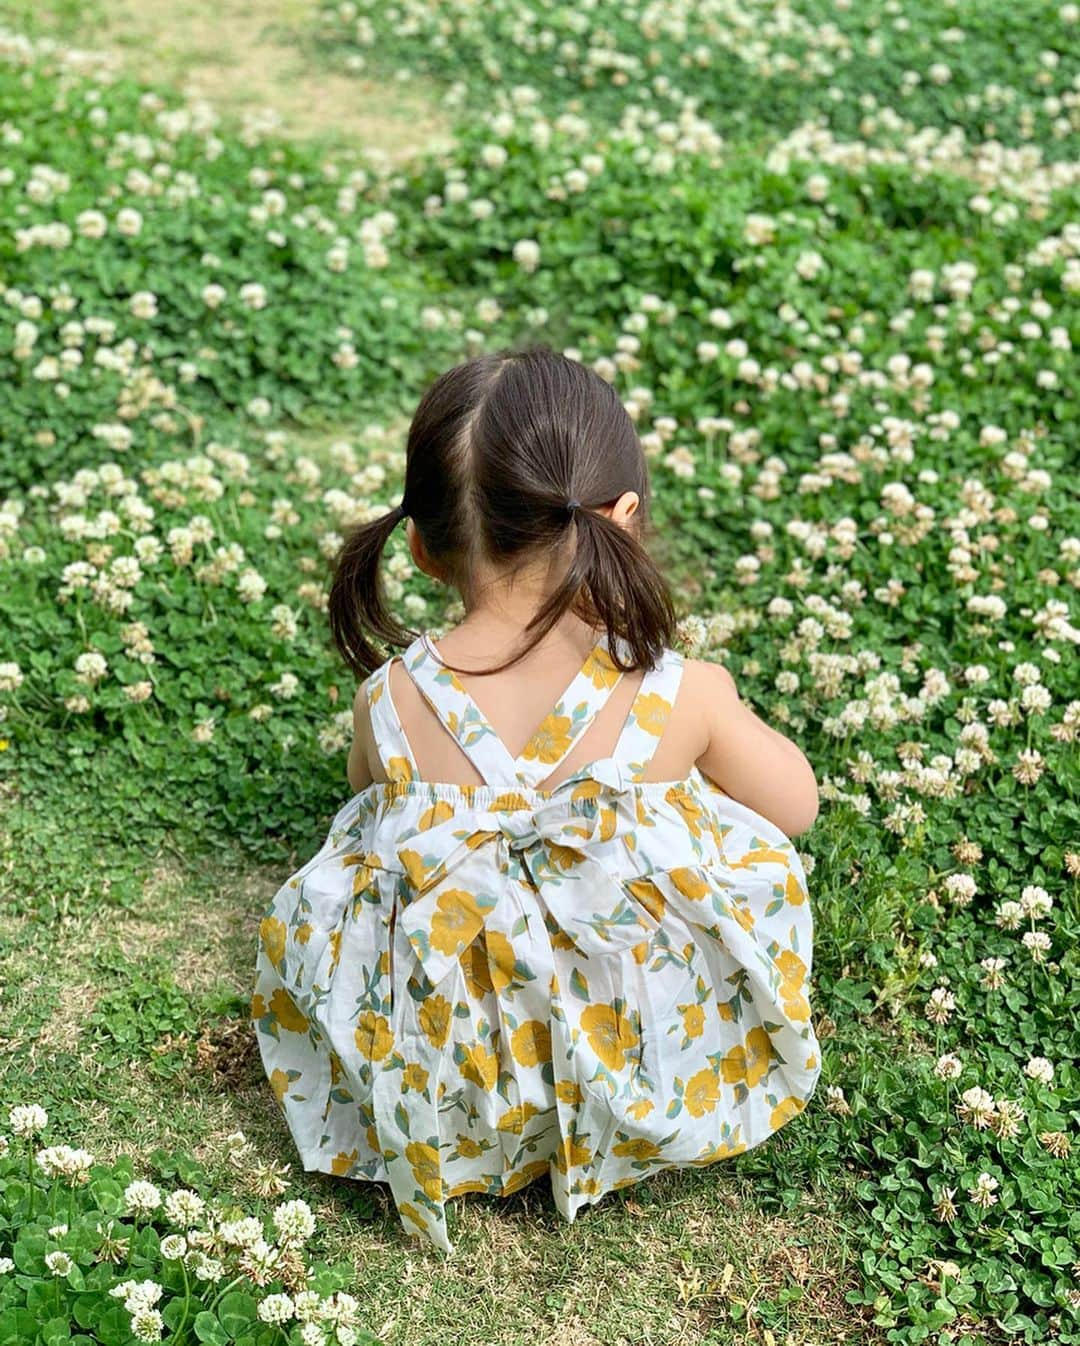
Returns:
(707,681)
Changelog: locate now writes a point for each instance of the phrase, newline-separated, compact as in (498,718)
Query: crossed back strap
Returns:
(553,739)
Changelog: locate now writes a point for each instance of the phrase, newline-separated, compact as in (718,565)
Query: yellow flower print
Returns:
(279,1083)
(571,1153)
(640,951)
(687,805)
(531,1043)
(509,803)
(516,1119)
(479,1066)
(501,960)
(749,1063)
(640,1109)
(375,691)
(258,1007)
(568,1092)
(373,1037)
(362,877)
(474,964)
(551,741)
(424,1162)
(288,1014)
(467,1148)
(440,812)
(726,1009)
(689,883)
(564,857)
(342,1162)
(610,1034)
(794,892)
(650,897)
(302,933)
(608,822)
(702,1093)
(372,1138)
(272,933)
(693,1020)
(434,1017)
(469,1185)
(414,1077)
(784,1111)
(811,1061)
(600,669)
(636,1149)
(793,971)
(454,925)
(588,789)
(764,855)
(337,1070)
(335,951)
(398,769)
(411,1213)
(529,1173)
(651,712)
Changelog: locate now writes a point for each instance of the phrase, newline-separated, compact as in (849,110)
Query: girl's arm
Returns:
(753,763)
(358,770)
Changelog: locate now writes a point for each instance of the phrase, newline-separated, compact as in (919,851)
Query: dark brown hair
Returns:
(506,453)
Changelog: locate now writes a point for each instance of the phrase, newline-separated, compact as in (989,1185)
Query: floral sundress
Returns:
(469,987)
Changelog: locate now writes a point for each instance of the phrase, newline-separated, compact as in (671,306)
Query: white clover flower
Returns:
(982,1194)
(129,221)
(57,1231)
(61,1161)
(1039,1069)
(250,586)
(940,1006)
(1037,943)
(90,667)
(11,678)
(253,295)
(209,1269)
(28,1119)
(294,1221)
(6,1265)
(242,1233)
(1036,902)
(140,1197)
(59,1263)
(173,1247)
(184,1208)
(308,1306)
(311,1334)
(948,1067)
(526,252)
(147,1325)
(276,1309)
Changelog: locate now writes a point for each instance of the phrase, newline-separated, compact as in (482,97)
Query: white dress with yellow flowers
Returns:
(471,986)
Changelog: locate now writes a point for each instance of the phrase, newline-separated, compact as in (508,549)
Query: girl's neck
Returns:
(499,608)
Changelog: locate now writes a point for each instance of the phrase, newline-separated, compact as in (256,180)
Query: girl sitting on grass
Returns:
(560,927)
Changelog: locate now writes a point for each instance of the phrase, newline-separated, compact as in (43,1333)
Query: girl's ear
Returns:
(419,552)
(625,508)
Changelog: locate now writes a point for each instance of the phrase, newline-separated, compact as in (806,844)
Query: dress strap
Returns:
(386,729)
(572,714)
(556,735)
(644,725)
(459,714)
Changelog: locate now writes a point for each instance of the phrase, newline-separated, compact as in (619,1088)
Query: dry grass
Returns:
(243,55)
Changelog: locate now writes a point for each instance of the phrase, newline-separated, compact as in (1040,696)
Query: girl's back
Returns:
(540,938)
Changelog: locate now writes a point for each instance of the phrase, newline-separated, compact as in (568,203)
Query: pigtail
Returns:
(613,582)
(357,606)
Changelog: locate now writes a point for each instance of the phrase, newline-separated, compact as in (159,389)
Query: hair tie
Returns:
(399,512)
(572,505)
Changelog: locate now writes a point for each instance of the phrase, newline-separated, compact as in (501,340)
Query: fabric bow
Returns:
(452,895)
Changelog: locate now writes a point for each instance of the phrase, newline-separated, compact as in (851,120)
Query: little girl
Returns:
(560,927)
